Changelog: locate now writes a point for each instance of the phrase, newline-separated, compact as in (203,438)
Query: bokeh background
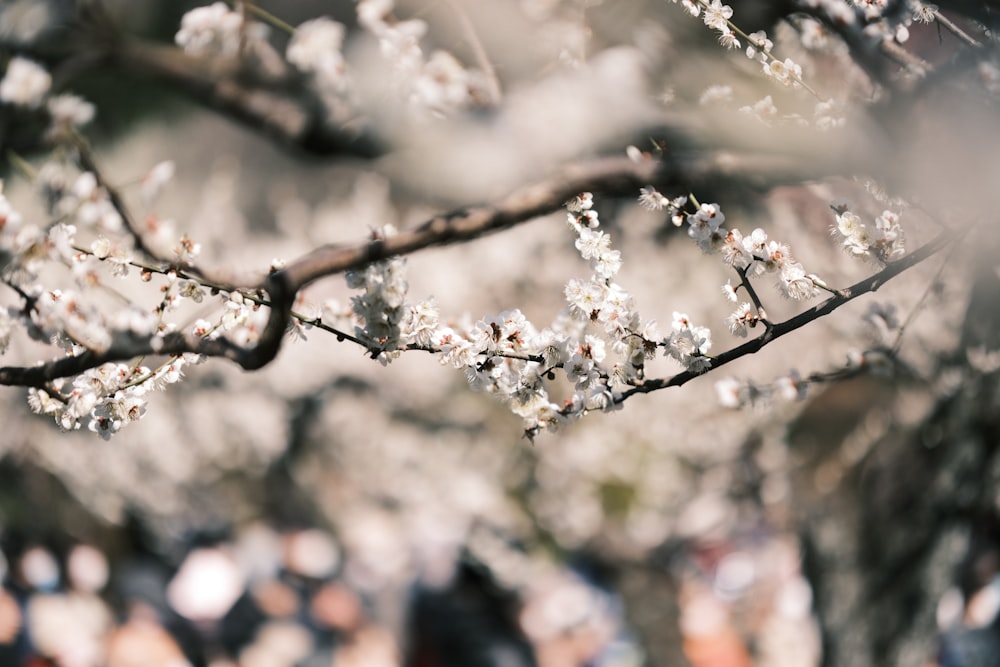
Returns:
(327,510)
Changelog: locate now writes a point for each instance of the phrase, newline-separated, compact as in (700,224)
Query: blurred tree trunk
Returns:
(886,505)
(650,593)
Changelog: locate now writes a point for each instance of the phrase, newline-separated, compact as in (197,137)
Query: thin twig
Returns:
(88,163)
(953,28)
(485,64)
(779,329)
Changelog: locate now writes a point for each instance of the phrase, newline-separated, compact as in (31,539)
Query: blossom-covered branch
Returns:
(129,345)
(610,175)
(306,97)
(778,329)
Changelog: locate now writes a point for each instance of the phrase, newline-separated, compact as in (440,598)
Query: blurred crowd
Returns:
(270,598)
(259,604)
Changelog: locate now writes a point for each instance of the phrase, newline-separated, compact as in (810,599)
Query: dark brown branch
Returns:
(615,176)
(127,345)
(609,176)
(286,110)
(774,332)
(88,163)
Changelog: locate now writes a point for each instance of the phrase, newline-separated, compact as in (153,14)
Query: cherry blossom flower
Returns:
(156,179)
(372,13)
(786,71)
(758,46)
(692,7)
(717,14)
(689,344)
(316,48)
(26,83)
(705,227)
(580,203)
(791,387)
(420,323)
(69,111)
(795,284)
(651,199)
(585,297)
(443,85)
(212,30)
(717,94)
(7,324)
(189,289)
(734,250)
(741,319)
(728,39)
(730,392)
(730,292)
(592,243)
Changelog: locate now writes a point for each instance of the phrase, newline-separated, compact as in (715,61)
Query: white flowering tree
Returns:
(685,114)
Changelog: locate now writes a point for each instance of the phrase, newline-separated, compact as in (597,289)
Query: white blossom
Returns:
(316,48)
(70,110)
(717,14)
(156,179)
(759,45)
(7,324)
(741,319)
(651,199)
(730,392)
(420,323)
(25,83)
(211,30)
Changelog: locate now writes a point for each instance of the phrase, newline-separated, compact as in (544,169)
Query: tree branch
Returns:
(127,345)
(609,176)
(613,176)
(285,110)
(88,163)
(774,332)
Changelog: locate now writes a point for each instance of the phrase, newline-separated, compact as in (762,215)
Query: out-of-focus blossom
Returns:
(25,83)
(156,179)
(211,30)
(70,111)
(207,585)
(316,48)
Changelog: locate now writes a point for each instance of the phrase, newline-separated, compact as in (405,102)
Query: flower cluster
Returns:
(88,232)
(734,393)
(77,197)
(882,243)
(70,111)
(106,398)
(380,308)
(598,344)
(438,83)
(751,256)
(26,83)
(212,30)
(717,16)
(315,48)
(598,341)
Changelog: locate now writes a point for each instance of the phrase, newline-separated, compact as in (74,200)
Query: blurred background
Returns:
(327,510)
